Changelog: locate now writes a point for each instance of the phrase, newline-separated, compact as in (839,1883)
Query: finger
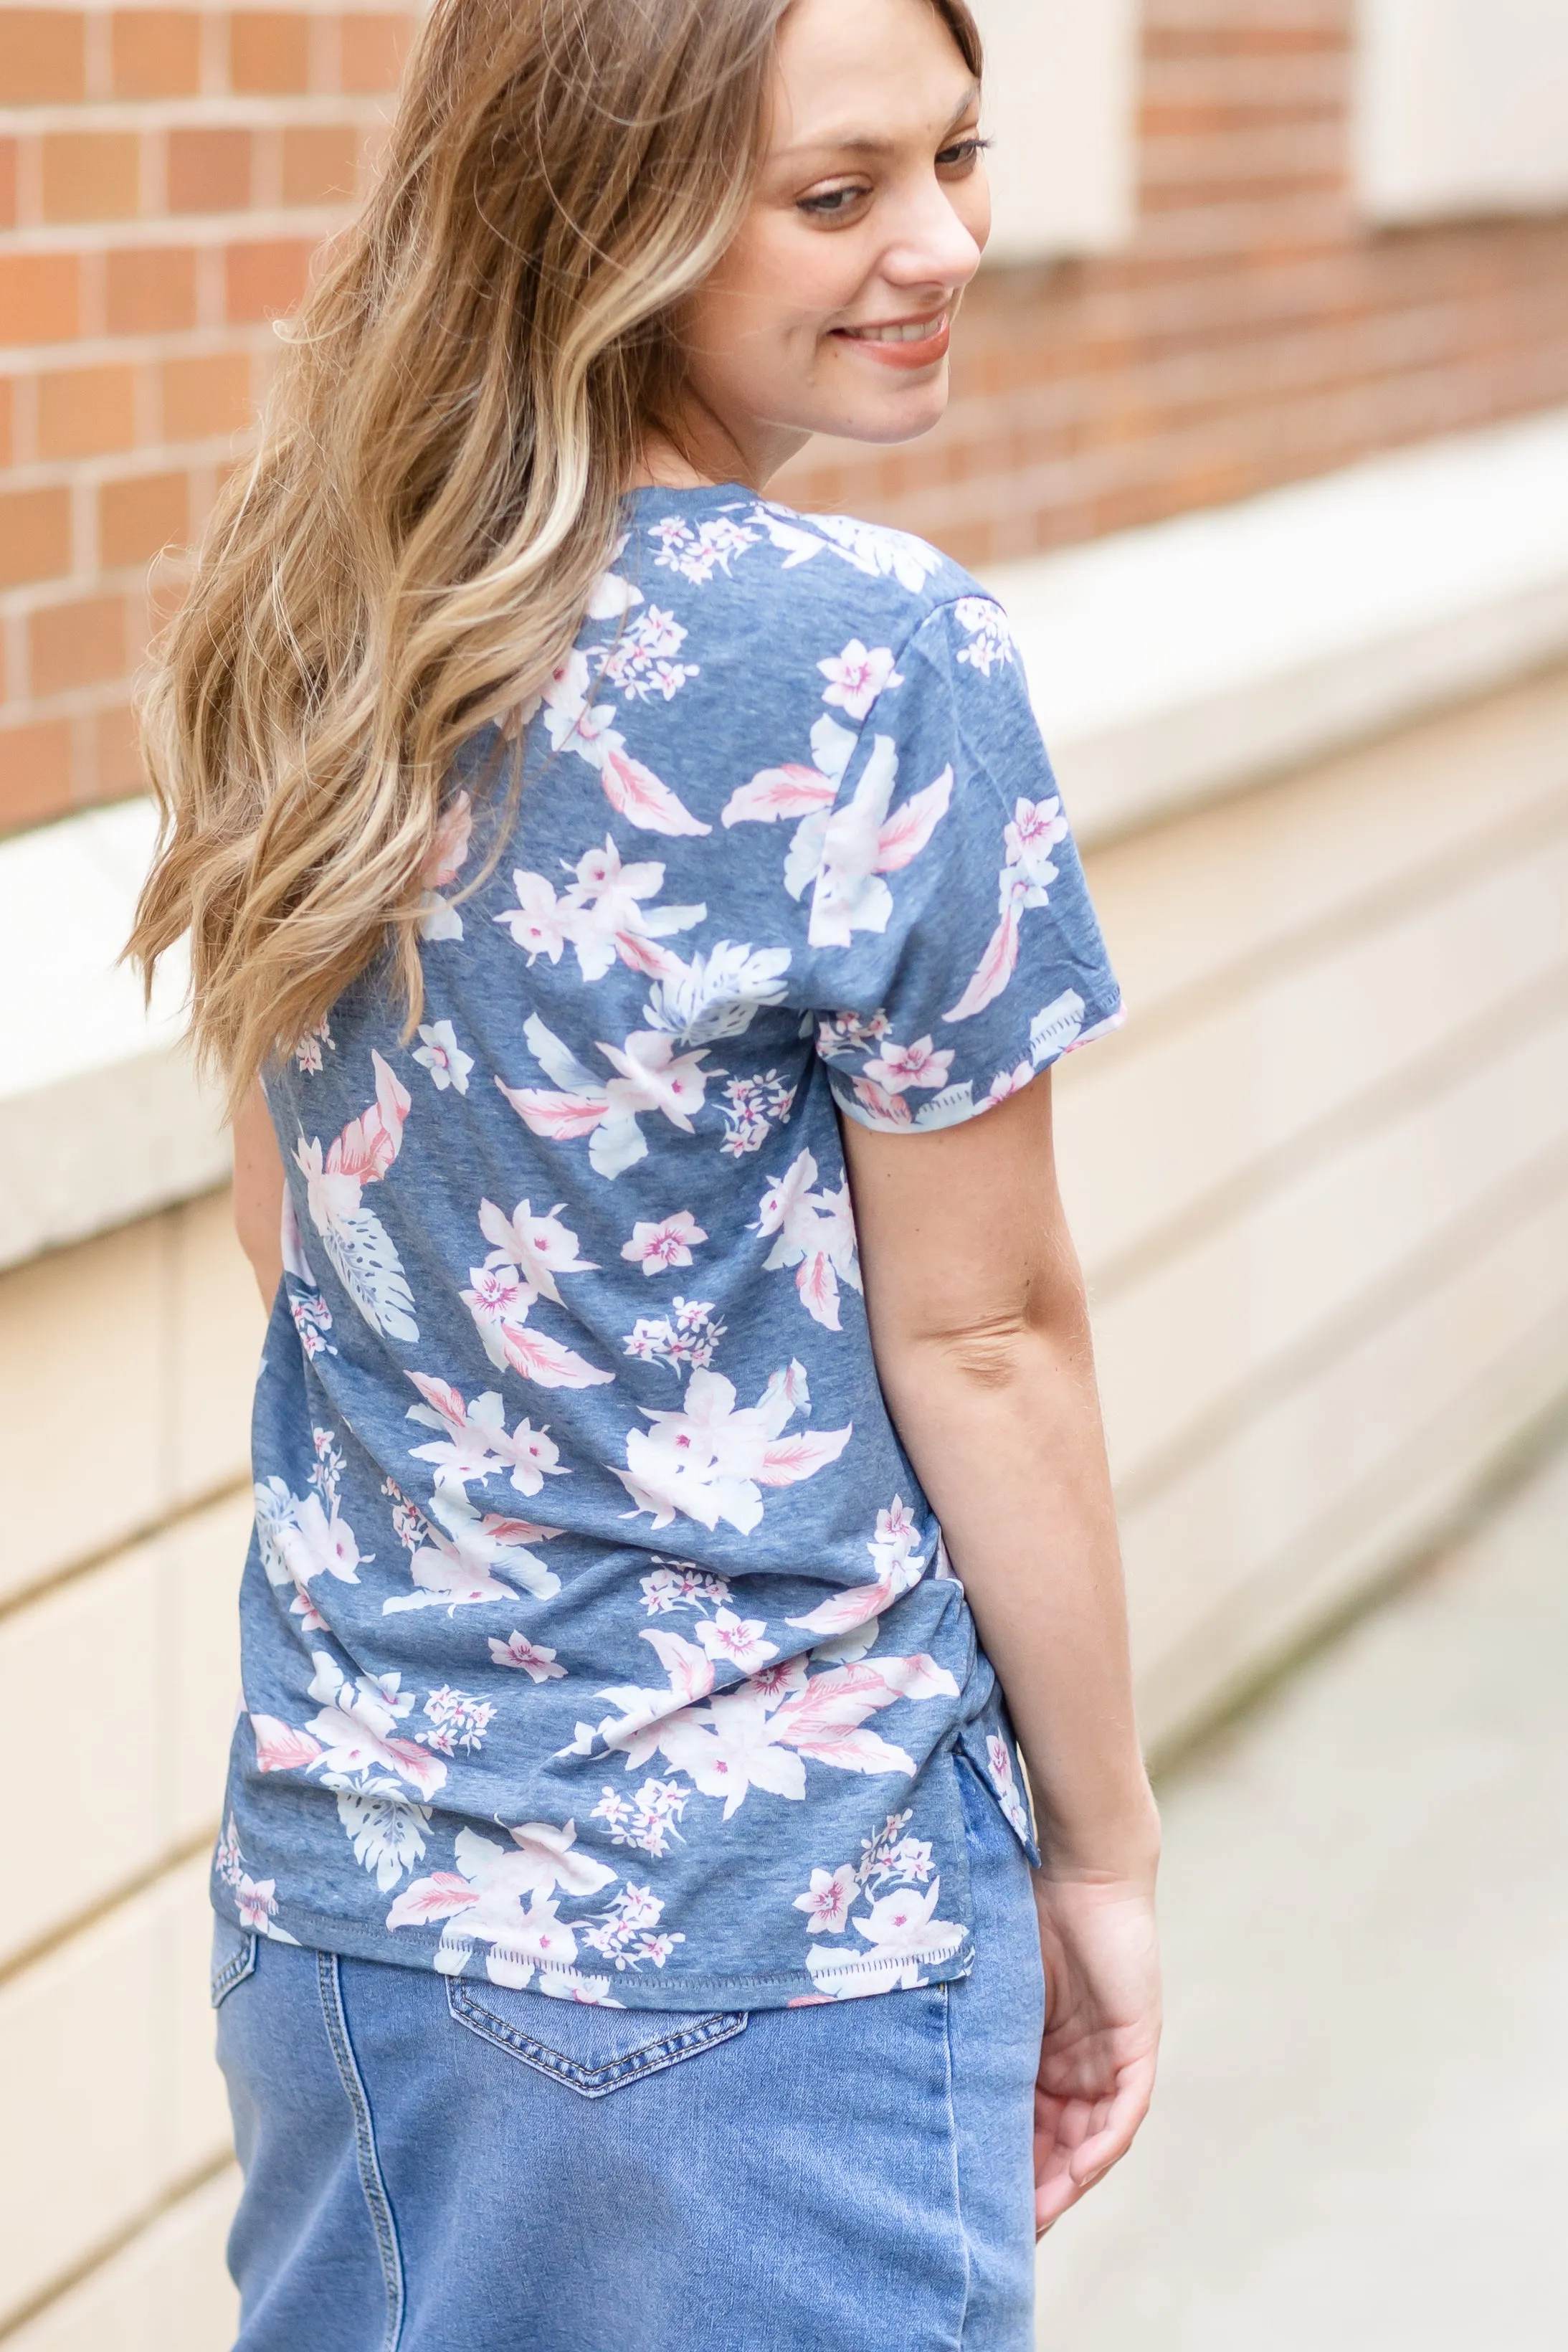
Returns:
(1095,2155)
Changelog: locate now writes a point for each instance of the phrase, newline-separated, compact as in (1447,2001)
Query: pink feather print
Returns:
(636,793)
(904,836)
(774,793)
(996,967)
(279,1747)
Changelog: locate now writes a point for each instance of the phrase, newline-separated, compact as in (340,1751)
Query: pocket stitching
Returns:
(221,1981)
(590,2082)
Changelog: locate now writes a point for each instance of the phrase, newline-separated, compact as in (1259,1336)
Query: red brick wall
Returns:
(163,174)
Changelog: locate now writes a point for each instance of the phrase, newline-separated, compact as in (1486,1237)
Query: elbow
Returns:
(1012,1347)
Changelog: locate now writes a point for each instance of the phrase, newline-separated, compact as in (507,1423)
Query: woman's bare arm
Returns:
(258,1194)
(981,1335)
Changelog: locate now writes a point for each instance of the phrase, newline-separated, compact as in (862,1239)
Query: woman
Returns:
(598,878)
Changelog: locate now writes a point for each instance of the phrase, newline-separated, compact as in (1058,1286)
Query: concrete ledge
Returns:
(1172,665)
(102,1119)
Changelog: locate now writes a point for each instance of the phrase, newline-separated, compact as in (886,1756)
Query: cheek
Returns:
(776,290)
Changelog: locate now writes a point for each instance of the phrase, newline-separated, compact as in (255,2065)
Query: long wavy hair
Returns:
(410,551)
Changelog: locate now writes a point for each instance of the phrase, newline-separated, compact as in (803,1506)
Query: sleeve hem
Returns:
(1060,1029)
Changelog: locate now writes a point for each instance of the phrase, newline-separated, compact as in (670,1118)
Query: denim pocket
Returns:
(233,1959)
(592,2051)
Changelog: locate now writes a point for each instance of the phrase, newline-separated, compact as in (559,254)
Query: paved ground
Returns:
(1361,2138)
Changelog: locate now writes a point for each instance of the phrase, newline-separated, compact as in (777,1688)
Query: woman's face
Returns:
(831,311)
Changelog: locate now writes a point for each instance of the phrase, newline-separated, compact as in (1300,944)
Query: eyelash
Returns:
(835,202)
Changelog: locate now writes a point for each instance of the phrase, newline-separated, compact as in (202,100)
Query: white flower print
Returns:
(829,1899)
(485,1892)
(531,1658)
(308,1051)
(457,1720)
(999,1761)
(651,1076)
(990,639)
(443,1057)
(439,919)
(626,1933)
(353,1741)
(458,1565)
(898,1565)
(856,677)
(612,593)
(899,1067)
(601,915)
(710,1459)
(861,843)
(687,1338)
(530,1251)
(816,1234)
(356,1242)
(696,554)
(477,1442)
(718,995)
(1027,871)
(752,1108)
(732,1641)
(646,1821)
(640,662)
(574,722)
(312,1316)
(256,1899)
(873,549)
(299,1536)
(681,1584)
(670,1243)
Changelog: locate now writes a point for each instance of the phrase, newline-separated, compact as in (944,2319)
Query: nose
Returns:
(929,245)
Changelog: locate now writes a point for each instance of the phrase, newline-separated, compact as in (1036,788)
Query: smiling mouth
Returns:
(897,331)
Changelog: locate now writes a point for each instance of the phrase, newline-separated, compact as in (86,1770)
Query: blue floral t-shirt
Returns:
(597,1633)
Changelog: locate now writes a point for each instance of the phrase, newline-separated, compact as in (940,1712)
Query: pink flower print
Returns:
(899,1067)
(531,1658)
(735,1641)
(998,1757)
(530,1251)
(540,923)
(1036,828)
(816,1234)
(826,1905)
(257,1901)
(439,918)
(898,1564)
(657,1248)
(855,677)
(443,1057)
(710,1458)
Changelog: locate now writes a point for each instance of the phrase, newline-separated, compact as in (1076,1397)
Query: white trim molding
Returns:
(1060,103)
(1461,106)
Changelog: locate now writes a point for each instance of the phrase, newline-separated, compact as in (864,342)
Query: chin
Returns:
(916,410)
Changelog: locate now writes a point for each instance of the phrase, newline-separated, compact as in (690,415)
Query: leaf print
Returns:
(710,1459)
(856,677)
(990,639)
(312,1316)
(488,1898)
(873,549)
(359,1248)
(1027,871)
(657,1248)
(751,1110)
(439,919)
(386,1832)
(897,1564)
(816,1233)
(651,1077)
(718,995)
(441,1055)
(576,723)
(861,843)
(531,1658)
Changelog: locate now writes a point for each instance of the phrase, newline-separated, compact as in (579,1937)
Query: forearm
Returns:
(1005,1435)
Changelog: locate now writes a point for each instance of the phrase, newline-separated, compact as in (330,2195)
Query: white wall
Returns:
(1462,107)
(1060,104)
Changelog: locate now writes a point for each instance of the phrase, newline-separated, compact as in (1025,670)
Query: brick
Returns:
(7,183)
(149,290)
(35,769)
(204,397)
(43,56)
(39,297)
(83,411)
(373,49)
(34,535)
(115,765)
(320,163)
(269,52)
(91,175)
(5,437)
(139,516)
(156,53)
(78,645)
(266,281)
(209,171)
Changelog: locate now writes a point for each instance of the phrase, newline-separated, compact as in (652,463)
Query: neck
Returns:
(697,450)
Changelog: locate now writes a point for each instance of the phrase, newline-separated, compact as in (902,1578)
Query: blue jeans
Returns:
(443,2164)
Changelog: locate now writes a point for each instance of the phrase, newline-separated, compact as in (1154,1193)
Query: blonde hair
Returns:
(410,551)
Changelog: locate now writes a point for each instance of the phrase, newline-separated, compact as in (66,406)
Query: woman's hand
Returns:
(1101,2033)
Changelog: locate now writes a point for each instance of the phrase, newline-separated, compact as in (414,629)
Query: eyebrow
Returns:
(865,142)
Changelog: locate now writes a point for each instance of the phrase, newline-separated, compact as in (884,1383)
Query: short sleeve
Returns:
(954,951)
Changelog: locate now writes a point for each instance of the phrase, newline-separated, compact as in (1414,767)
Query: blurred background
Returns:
(1261,428)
